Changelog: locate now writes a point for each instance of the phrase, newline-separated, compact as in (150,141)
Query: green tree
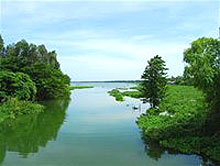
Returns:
(1,46)
(203,67)
(154,81)
(18,85)
(28,54)
(42,66)
(50,83)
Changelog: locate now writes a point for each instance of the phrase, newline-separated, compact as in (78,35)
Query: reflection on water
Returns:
(27,134)
(92,129)
(155,151)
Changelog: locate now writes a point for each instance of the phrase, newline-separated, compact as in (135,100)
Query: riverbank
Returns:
(178,123)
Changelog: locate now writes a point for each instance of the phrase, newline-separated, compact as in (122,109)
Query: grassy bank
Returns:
(178,123)
(13,108)
(80,87)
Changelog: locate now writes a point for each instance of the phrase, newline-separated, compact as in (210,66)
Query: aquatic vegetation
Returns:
(182,130)
(80,87)
(133,94)
(117,94)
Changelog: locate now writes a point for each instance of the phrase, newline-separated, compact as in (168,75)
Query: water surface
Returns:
(89,129)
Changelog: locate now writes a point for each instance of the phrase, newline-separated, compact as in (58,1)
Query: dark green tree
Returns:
(154,81)
(28,54)
(42,66)
(1,46)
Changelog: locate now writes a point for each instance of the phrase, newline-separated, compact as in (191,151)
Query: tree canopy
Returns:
(203,67)
(41,65)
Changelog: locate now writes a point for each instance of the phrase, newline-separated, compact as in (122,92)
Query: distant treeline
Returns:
(113,81)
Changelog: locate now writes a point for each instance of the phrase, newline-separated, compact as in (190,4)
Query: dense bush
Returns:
(17,85)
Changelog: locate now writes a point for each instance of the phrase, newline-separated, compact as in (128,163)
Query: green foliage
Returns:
(50,83)
(27,54)
(17,85)
(154,81)
(80,87)
(117,94)
(14,107)
(179,80)
(183,111)
(133,94)
(41,65)
(1,46)
(203,59)
(178,123)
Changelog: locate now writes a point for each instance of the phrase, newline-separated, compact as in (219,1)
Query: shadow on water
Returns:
(155,151)
(27,134)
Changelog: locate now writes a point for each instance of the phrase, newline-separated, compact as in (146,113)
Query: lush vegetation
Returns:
(41,65)
(178,122)
(133,94)
(203,68)
(187,118)
(28,72)
(119,96)
(80,87)
(154,81)
(50,82)
(17,85)
(116,94)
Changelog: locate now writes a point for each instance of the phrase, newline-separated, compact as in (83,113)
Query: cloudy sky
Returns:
(110,40)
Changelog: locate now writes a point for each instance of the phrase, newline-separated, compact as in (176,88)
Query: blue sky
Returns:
(111,40)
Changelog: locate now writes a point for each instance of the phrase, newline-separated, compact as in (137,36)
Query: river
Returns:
(89,129)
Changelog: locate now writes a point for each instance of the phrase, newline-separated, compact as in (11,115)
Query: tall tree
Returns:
(203,67)
(1,46)
(154,81)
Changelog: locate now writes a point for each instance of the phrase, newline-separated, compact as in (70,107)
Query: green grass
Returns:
(181,128)
(80,87)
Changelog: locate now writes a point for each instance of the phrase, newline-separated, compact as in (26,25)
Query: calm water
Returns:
(90,129)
